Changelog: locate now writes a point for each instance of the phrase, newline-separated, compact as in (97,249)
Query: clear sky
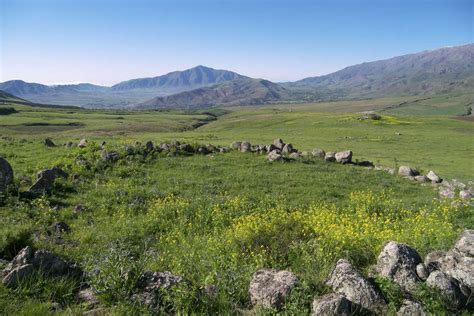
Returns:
(107,41)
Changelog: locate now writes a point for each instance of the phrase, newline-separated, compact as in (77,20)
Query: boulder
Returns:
(330,157)
(48,142)
(60,227)
(465,195)
(465,243)
(422,179)
(224,150)
(335,304)
(398,262)
(17,274)
(452,292)
(346,280)
(149,146)
(245,147)
(319,153)
(446,192)
(407,171)
(278,143)
(295,155)
(422,272)
(270,148)
(110,156)
(365,163)
(344,156)
(411,308)
(463,271)
(235,145)
(433,177)
(83,143)
(270,288)
(274,156)
(6,175)
(287,149)
(187,148)
(45,180)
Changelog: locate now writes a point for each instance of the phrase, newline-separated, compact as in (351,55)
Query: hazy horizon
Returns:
(106,42)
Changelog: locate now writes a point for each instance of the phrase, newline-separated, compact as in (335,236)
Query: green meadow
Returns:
(216,219)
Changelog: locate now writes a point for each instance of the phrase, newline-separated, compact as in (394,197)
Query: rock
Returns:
(68,144)
(344,156)
(83,143)
(274,156)
(317,152)
(270,148)
(149,146)
(411,308)
(60,227)
(202,150)
(335,304)
(45,180)
(295,155)
(330,157)
(48,142)
(366,163)
(422,272)
(224,150)
(421,179)
(304,154)
(110,156)
(278,143)
(446,192)
(465,195)
(79,208)
(17,275)
(465,244)
(287,149)
(6,175)
(346,280)
(245,147)
(270,288)
(407,171)
(463,271)
(88,297)
(187,148)
(433,177)
(398,262)
(53,265)
(235,145)
(449,288)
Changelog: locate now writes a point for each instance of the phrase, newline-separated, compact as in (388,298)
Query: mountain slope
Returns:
(236,92)
(429,72)
(180,80)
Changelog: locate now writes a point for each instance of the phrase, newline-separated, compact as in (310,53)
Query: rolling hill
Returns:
(235,92)
(429,72)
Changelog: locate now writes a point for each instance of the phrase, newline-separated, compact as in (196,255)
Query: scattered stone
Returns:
(270,288)
(346,280)
(83,143)
(60,227)
(344,156)
(369,115)
(407,171)
(110,156)
(287,149)
(186,148)
(278,143)
(17,274)
(465,244)
(245,147)
(304,154)
(274,156)
(433,177)
(446,192)
(270,148)
(422,179)
(411,308)
(366,163)
(6,175)
(45,180)
(335,304)
(465,195)
(48,142)
(88,297)
(330,157)
(224,149)
(149,146)
(398,262)
(235,145)
(295,155)
(450,289)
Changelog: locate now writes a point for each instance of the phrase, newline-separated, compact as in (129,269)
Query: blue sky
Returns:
(107,41)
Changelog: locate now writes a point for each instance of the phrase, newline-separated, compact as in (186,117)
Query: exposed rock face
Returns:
(6,175)
(346,280)
(451,290)
(330,156)
(83,143)
(274,156)
(335,304)
(398,262)
(407,171)
(48,142)
(433,177)
(317,152)
(245,147)
(278,143)
(344,156)
(411,308)
(270,288)
(45,180)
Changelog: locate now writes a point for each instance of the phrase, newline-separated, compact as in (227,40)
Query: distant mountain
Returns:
(8,97)
(430,72)
(180,80)
(236,92)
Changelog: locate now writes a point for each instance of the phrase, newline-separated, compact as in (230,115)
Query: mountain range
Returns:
(438,71)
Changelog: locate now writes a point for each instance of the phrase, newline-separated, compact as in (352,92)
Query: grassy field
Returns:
(217,219)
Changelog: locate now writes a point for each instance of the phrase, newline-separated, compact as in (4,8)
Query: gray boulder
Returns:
(422,272)
(274,156)
(344,156)
(288,149)
(187,148)
(421,179)
(245,147)
(149,146)
(270,148)
(319,153)
(17,274)
(83,143)
(411,308)
(45,180)
(278,143)
(330,156)
(296,155)
(346,280)
(398,262)
(433,177)
(270,288)
(336,304)
(6,175)
(110,156)
(465,195)
(407,171)
(465,244)
(235,145)
(452,292)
